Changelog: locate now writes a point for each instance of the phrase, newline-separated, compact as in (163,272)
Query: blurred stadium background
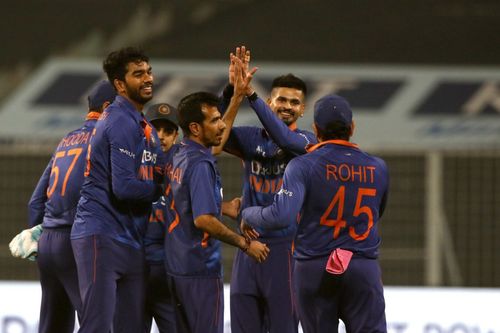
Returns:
(442,223)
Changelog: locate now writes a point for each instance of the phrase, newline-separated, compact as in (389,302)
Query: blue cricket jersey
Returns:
(121,180)
(338,192)
(265,154)
(197,190)
(163,214)
(54,200)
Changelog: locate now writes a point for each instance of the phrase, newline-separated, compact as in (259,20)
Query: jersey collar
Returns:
(188,142)
(335,142)
(93,115)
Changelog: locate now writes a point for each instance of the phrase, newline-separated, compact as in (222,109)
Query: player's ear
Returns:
(195,129)
(105,105)
(119,86)
(353,126)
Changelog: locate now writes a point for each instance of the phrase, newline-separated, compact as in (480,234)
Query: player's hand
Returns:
(232,208)
(242,78)
(257,250)
(247,231)
(243,54)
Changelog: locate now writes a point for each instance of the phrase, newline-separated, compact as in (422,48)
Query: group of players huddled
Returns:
(132,225)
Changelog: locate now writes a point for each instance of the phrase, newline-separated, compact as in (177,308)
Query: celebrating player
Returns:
(119,188)
(53,205)
(338,193)
(261,294)
(193,247)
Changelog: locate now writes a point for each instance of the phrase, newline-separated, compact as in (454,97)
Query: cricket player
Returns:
(337,193)
(120,186)
(53,205)
(193,247)
(159,304)
(261,294)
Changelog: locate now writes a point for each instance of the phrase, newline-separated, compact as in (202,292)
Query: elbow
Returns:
(122,192)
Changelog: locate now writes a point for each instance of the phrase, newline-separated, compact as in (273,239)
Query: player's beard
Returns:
(288,120)
(136,96)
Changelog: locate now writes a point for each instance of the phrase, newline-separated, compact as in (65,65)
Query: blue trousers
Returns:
(198,303)
(356,296)
(159,304)
(112,285)
(59,281)
(262,297)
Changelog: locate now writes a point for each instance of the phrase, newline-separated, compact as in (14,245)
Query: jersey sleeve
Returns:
(290,141)
(36,205)
(286,205)
(202,190)
(124,181)
(235,144)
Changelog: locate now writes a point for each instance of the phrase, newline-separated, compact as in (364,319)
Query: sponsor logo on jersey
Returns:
(126,152)
(148,156)
(283,191)
(274,169)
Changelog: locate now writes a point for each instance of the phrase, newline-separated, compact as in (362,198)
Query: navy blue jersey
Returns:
(163,214)
(120,182)
(197,190)
(266,153)
(56,195)
(339,194)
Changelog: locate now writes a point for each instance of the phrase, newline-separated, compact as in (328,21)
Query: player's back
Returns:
(67,176)
(346,189)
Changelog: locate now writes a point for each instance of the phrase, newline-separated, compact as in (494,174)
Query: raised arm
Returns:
(241,80)
(290,141)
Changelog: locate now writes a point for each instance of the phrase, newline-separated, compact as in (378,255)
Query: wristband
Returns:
(228,91)
(253,97)
(247,245)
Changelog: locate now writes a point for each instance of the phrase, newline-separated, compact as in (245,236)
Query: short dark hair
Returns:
(335,130)
(189,109)
(115,64)
(289,81)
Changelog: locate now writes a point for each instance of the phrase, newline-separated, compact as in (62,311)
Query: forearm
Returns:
(284,137)
(228,118)
(217,229)
(266,218)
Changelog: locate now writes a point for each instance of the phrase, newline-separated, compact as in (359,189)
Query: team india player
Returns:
(159,304)
(261,294)
(193,247)
(53,205)
(338,194)
(116,198)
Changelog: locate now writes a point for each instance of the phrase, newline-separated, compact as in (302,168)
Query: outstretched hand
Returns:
(244,55)
(242,77)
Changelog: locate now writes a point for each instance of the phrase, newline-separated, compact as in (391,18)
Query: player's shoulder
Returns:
(305,132)
(374,159)
(303,162)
